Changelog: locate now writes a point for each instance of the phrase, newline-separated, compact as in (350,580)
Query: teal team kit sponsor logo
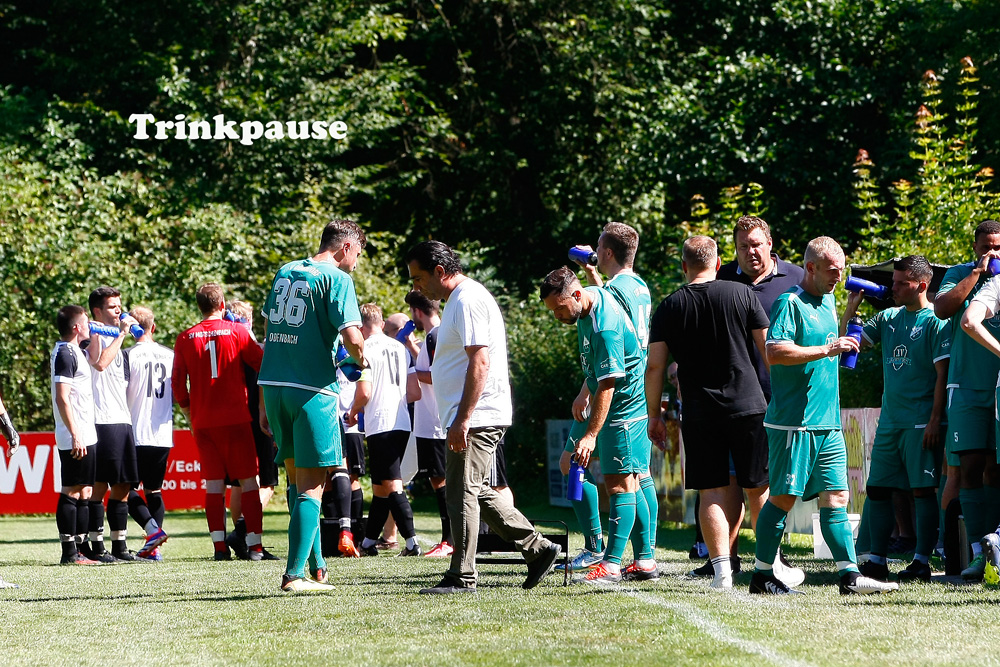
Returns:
(899,358)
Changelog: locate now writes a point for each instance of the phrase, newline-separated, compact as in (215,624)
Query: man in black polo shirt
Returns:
(759,267)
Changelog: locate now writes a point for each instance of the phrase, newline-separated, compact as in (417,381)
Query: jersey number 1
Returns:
(213,358)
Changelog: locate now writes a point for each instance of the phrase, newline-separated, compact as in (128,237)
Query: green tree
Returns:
(935,211)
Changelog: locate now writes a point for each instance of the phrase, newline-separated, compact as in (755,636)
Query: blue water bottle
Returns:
(855,285)
(574,485)
(361,421)
(993,268)
(581,255)
(407,329)
(344,362)
(104,330)
(230,316)
(135,329)
(850,358)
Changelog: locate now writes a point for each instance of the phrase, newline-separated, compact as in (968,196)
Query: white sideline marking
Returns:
(716,631)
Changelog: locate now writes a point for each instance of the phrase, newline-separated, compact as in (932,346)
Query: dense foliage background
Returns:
(509,130)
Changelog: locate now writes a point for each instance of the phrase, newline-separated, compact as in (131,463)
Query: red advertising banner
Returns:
(30,480)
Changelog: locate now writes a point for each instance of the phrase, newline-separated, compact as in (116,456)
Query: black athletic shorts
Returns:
(354,452)
(267,469)
(498,474)
(385,452)
(152,464)
(78,473)
(116,462)
(708,444)
(430,457)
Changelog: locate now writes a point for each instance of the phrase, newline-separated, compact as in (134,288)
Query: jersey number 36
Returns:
(289,302)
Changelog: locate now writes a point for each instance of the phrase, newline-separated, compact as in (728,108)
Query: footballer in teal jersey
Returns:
(804,395)
(913,341)
(309,304)
(312,301)
(975,367)
(971,439)
(611,358)
(616,249)
(906,453)
(972,375)
(633,295)
(808,455)
(609,348)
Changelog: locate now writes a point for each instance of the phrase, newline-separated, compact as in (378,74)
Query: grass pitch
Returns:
(191,610)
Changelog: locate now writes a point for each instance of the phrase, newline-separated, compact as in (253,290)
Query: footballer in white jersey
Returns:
(387,429)
(149,394)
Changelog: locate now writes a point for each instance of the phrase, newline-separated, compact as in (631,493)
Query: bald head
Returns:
(394,323)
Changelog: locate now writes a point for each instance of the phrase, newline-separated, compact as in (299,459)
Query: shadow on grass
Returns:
(55,539)
(164,598)
(73,598)
(221,597)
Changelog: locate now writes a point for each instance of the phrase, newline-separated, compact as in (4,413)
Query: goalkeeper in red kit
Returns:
(210,387)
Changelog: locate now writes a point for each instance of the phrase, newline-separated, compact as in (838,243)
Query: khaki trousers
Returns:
(468,493)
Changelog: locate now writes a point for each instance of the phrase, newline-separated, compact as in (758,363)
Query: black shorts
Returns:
(498,473)
(267,469)
(430,457)
(385,452)
(708,444)
(116,462)
(152,464)
(354,452)
(78,473)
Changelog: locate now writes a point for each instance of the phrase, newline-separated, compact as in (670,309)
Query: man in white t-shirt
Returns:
(431,437)
(473,391)
(76,437)
(387,429)
(151,404)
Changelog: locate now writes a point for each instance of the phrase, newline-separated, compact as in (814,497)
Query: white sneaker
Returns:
(991,548)
(300,585)
(722,582)
(855,583)
(790,576)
